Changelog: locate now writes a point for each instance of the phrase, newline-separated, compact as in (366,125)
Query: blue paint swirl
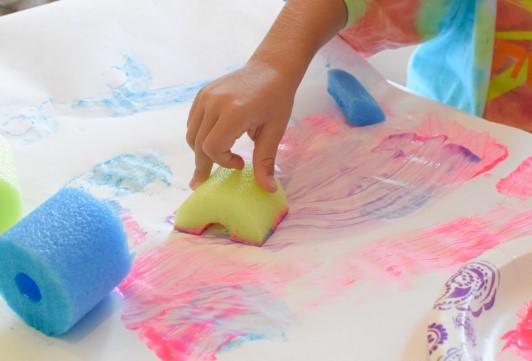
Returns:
(136,95)
(126,174)
(27,123)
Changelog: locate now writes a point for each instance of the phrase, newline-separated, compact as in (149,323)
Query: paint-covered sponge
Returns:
(355,102)
(233,199)
(10,198)
(61,260)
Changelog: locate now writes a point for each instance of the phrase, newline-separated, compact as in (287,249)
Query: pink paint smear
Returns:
(190,299)
(444,247)
(337,179)
(134,231)
(482,144)
(518,183)
(520,339)
(193,297)
(188,302)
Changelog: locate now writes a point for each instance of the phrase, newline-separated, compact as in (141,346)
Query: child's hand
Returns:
(256,99)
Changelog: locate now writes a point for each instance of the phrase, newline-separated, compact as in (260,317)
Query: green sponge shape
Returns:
(233,199)
(10,199)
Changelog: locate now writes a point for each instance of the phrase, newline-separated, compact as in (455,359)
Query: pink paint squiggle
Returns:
(443,247)
(520,339)
(518,183)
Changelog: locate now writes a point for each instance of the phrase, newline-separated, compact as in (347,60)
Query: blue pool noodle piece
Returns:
(357,105)
(61,260)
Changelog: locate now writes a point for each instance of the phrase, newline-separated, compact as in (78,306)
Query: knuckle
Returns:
(200,95)
(202,92)
(209,148)
(238,105)
(269,161)
(190,139)
(235,108)
(202,163)
(269,164)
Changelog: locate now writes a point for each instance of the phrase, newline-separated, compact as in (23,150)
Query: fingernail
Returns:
(193,184)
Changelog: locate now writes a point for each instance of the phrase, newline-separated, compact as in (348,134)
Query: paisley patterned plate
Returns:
(476,317)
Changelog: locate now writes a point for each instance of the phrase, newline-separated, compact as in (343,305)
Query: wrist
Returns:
(289,68)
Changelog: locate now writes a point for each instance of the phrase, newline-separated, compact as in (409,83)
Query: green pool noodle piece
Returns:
(10,198)
(233,199)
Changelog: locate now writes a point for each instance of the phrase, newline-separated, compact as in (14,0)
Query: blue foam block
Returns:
(61,260)
(357,105)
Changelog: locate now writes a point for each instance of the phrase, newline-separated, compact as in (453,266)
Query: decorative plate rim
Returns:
(468,294)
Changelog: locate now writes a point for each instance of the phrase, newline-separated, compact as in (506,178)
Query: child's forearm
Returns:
(301,29)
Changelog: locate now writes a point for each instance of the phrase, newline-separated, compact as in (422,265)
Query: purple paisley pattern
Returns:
(473,289)
(464,322)
(453,354)
(436,336)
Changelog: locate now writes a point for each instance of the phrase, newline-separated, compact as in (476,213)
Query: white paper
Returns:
(63,67)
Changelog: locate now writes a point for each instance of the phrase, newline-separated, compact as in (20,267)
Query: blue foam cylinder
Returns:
(355,102)
(61,260)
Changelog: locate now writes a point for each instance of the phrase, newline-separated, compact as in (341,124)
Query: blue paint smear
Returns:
(126,174)
(407,198)
(28,124)
(239,341)
(136,96)
(113,205)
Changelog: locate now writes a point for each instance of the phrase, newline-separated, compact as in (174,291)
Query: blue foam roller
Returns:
(357,105)
(61,260)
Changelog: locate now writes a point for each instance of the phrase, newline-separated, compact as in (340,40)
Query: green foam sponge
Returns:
(10,199)
(233,199)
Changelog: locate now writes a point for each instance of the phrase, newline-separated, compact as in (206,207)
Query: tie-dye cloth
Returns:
(476,54)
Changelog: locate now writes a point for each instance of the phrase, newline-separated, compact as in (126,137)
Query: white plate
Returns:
(479,305)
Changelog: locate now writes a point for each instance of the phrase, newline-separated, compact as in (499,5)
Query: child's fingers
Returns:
(252,134)
(202,171)
(193,124)
(221,139)
(266,145)
(195,105)
(203,162)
